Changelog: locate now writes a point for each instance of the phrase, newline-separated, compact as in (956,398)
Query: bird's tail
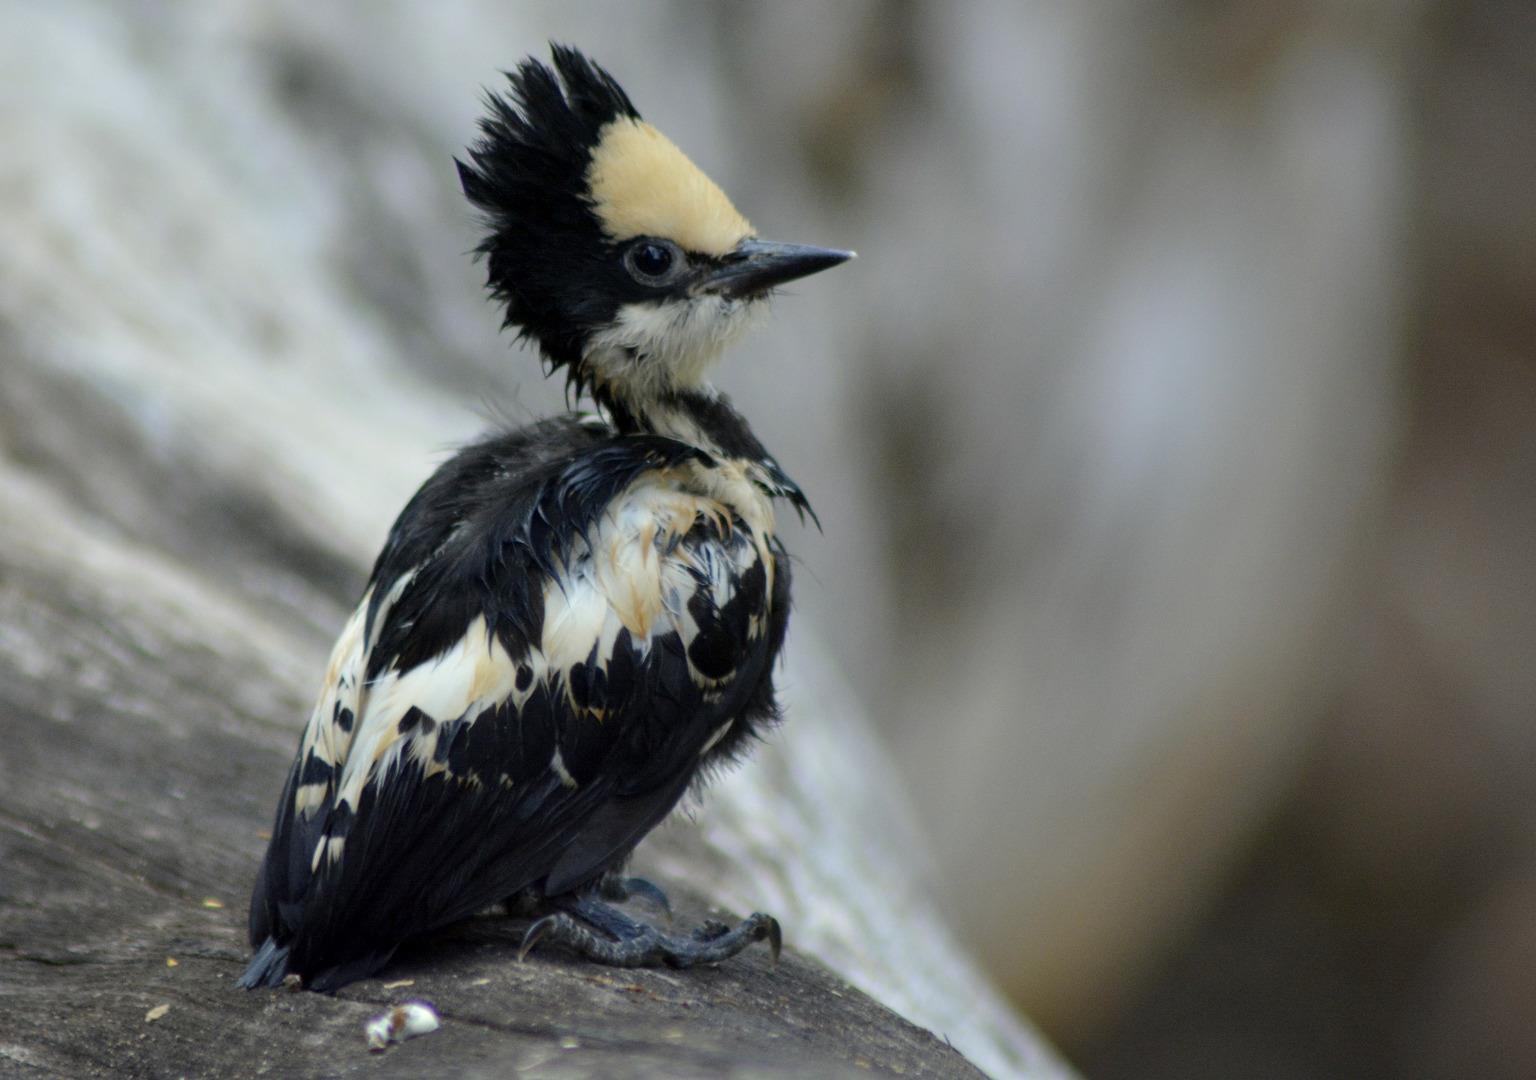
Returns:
(267,967)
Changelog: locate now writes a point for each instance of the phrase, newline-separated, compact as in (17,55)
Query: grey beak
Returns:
(755,266)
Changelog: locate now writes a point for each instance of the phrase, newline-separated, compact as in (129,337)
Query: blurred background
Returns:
(1174,435)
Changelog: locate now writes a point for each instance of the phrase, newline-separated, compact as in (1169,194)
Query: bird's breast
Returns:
(669,555)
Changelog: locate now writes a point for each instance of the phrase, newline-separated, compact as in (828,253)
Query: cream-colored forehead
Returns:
(643,185)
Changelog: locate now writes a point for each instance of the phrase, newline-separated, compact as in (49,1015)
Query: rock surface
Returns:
(227,356)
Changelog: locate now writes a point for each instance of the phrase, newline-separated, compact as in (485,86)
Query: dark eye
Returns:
(653,262)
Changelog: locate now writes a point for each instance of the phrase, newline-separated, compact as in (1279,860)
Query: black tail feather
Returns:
(334,978)
(268,967)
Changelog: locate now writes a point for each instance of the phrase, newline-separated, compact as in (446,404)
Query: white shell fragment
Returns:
(400,1023)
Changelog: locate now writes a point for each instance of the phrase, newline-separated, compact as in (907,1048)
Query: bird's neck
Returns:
(700,416)
(704,417)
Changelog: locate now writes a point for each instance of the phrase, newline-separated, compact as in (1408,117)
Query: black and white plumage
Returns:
(569,623)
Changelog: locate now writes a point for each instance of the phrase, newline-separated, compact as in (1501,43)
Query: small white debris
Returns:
(398,983)
(156,1013)
(400,1023)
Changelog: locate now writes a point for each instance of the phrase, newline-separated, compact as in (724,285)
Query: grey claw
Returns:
(532,935)
(775,939)
(645,890)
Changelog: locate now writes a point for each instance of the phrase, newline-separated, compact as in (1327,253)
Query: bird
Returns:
(571,624)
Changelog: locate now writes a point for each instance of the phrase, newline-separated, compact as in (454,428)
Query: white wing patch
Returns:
(473,675)
(325,737)
(557,766)
(637,575)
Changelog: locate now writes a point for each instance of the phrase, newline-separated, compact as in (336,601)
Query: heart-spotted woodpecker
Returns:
(571,623)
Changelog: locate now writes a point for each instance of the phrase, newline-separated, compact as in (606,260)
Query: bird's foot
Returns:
(596,931)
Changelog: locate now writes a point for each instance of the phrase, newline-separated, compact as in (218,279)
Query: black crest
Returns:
(527,175)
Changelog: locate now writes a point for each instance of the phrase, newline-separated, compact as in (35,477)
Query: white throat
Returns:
(659,347)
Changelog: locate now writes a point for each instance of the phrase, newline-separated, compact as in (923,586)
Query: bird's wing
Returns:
(536,745)
(425,526)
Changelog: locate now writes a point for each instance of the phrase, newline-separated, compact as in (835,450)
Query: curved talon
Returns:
(649,892)
(775,939)
(639,888)
(532,935)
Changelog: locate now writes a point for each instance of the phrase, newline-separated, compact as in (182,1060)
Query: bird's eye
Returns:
(653,262)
